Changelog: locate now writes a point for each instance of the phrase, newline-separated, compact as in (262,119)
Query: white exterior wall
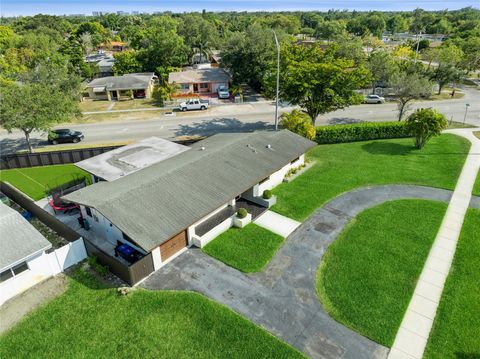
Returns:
(109,231)
(200,242)
(277,177)
(157,258)
(41,267)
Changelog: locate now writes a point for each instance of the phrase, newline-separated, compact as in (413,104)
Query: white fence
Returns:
(42,267)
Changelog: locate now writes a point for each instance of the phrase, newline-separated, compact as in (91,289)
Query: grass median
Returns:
(455,329)
(247,249)
(368,274)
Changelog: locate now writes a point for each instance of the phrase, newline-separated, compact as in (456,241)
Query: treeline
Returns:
(166,41)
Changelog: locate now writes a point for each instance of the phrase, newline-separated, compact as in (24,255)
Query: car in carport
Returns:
(64,135)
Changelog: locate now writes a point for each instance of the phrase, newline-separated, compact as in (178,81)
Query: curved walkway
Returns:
(282,298)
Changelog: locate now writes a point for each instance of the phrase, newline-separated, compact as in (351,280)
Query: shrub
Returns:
(424,124)
(97,267)
(242,213)
(299,123)
(267,194)
(361,132)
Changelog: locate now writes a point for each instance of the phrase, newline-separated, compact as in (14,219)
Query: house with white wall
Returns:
(191,197)
(199,81)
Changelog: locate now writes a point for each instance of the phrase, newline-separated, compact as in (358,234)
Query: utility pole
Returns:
(278,80)
(467,105)
(418,45)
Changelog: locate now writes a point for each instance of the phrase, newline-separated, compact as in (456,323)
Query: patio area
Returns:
(254,209)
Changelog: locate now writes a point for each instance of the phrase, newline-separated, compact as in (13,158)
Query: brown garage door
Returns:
(173,245)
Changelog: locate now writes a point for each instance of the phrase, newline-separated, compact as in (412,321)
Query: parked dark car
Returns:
(64,135)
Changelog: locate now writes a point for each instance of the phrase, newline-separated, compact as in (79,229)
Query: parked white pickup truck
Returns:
(194,104)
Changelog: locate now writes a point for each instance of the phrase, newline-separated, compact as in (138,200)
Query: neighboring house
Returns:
(104,63)
(113,46)
(23,260)
(128,86)
(199,81)
(105,66)
(191,197)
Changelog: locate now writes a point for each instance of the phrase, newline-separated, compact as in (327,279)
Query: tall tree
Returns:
(408,86)
(161,47)
(318,81)
(48,95)
(382,66)
(248,55)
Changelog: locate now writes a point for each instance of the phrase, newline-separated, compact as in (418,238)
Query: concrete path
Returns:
(412,337)
(282,298)
(276,223)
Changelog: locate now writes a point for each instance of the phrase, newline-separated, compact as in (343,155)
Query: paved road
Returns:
(244,117)
(282,298)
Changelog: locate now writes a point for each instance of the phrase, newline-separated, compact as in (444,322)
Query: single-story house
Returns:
(200,80)
(191,197)
(114,46)
(129,86)
(105,66)
(23,257)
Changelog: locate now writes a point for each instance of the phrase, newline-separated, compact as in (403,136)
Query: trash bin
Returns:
(86,225)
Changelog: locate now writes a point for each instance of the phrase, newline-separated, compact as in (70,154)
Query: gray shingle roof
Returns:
(153,204)
(126,82)
(19,239)
(214,74)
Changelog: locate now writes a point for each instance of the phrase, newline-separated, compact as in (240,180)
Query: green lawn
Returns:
(248,249)
(368,274)
(342,167)
(476,187)
(34,181)
(89,321)
(455,330)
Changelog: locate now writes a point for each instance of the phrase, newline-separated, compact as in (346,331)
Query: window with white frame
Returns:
(14,271)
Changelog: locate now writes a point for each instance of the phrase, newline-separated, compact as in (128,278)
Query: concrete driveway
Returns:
(282,298)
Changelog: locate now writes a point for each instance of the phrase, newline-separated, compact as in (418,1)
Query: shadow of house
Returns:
(220,125)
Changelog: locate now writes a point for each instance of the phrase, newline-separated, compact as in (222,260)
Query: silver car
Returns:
(223,92)
(374,99)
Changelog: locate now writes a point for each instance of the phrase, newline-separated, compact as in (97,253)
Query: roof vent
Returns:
(269,146)
(202,148)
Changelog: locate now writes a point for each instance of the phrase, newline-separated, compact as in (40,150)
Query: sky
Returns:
(58,7)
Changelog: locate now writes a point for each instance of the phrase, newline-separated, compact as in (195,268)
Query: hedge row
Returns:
(361,132)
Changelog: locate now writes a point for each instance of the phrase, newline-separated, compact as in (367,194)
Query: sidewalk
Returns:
(276,223)
(412,337)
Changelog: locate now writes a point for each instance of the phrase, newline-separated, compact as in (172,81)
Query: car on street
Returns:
(64,135)
(374,99)
(223,92)
(194,104)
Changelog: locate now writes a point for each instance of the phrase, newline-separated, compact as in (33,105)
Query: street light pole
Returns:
(418,45)
(278,80)
(467,105)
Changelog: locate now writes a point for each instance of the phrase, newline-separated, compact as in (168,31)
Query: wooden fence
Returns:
(45,217)
(22,160)
(130,274)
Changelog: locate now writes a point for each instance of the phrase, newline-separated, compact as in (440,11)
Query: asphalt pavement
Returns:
(239,118)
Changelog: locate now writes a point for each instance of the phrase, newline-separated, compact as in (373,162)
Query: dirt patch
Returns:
(15,309)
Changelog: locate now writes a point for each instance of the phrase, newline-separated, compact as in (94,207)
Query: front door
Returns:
(195,88)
